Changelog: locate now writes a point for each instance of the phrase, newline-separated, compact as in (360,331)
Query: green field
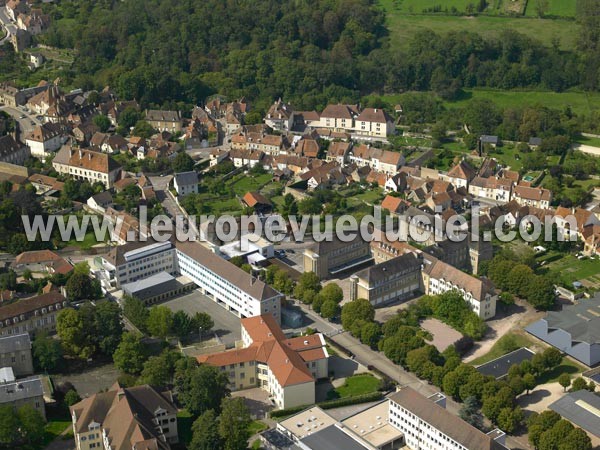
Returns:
(561,8)
(403,27)
(355,385)
(571,269)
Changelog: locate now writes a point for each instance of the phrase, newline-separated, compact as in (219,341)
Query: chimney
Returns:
(90,156)
(80,154)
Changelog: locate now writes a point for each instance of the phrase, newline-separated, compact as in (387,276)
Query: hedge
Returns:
(357,399)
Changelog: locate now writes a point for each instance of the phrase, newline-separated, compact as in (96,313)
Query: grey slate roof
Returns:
(186,178)
(395,266)
(568,408)
(581,321)
(331,438)
(486,139)
(15,343)
(21,389)
(498,367)
(158,284)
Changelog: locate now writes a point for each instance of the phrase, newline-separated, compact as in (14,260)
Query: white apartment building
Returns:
(138,260)
(374,122)
(440,277)
(530,196)
(427,425)
(87,165)
(44,140)
(227,284)
(285,368)
(186,183)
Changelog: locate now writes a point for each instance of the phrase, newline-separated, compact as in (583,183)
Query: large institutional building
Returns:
(286,368)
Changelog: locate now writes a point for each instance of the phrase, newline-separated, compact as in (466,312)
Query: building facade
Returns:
(87,165)
(15,352)
(332,256)
(32,315)
(26,391)
(227,284)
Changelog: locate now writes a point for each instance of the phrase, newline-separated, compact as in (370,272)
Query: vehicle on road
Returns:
(22,116)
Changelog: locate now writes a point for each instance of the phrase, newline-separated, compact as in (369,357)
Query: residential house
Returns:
(306,147)
(109,143)
(186,183)
(381,160)
(31,315)
(259,202)
(44,140)
(440,277)
(241,158)
(15,7)
(374,123)
(35,22)
(489,140)
(15,352)
(396,183)
(13,152)
(45,261)
(87,165)
(164,120)
(531,196)
(19,393)
(394,205)
(45,185)
(338,151)
(338,117)
(285,368)
(138,417)
(493,188)
(280,116)
(461,174)
(393,280)
(100,202)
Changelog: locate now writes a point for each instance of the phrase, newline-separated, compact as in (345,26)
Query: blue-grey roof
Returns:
(535,141)
(331,438)
(15,343)
(572,407)
(158,284)
(581,321)
(186,178)
(486,139)
(498,367)
(21,389)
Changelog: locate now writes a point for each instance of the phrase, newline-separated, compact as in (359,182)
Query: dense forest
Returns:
(308,52)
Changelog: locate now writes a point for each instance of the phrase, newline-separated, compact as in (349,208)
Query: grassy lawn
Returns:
(355,385)
(404,26)
(562,8)
(565,366)
(53,429)
(504,345)
(244,183)
(257,426)
(88,242)
(594,142)
(570,269)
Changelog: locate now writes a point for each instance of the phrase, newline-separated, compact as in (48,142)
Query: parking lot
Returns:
(227,324)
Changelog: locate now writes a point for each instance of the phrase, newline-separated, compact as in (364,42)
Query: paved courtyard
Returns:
(90,382)
(227,324)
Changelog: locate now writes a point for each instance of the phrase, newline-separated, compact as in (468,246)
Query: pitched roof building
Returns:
(532,196)
(87,165)
(126,418)
(286,368)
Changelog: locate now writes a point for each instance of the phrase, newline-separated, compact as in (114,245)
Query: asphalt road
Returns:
(26,123)
(10,27)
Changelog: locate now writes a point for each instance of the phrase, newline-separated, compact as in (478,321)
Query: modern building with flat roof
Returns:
(582,408)
(156,288)
(227,284)
(575,330)
(499,367)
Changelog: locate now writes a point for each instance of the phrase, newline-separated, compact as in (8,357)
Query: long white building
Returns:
(427,425)
(227,284)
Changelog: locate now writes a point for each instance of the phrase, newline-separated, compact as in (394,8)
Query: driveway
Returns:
(90,382)
(7,24)
(227,324)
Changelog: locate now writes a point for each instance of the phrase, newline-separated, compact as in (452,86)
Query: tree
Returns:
(233,424)
(9,425)
(370,334)
(47,352)
(72,397)
(205,432)
(577,439)
(79,287)
(578,384)
(31,425)
(136,312)
(552,357)
(517,384)
(329,309)
(565,381)
(469,412)
(492,405)
(317,303)
(529,381)
(160,321)
(332,292)
(183,162)
(72,332)
(202,322)
(143,129)
(128,118)
(308,281)
(102,122)
(200,388)
(107,327)
(182,325)
(130,355)
(509,419)
(158,370)
(540,293)
(357,309)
